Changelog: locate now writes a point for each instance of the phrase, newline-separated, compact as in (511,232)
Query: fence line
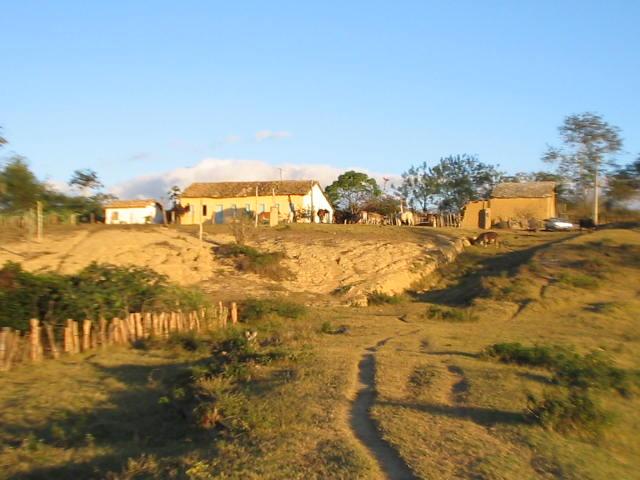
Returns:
(41,342)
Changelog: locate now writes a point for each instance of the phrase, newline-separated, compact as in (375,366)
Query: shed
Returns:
(133,212)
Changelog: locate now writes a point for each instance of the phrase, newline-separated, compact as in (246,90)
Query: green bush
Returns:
(256,309)
(450,314)
(96,291)
(579,280)
(570,368)
(381,298)
(249,259)
(573,411)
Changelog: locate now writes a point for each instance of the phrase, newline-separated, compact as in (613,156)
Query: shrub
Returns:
(573,411)
(381,298)
(579,280)
(570,368)
(96,291)
(450,314)
(249,259)
(257,309)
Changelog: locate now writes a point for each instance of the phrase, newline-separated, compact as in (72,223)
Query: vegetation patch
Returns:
(257,309)
(421,378)
(99,290)
(570,368)
(450,314)
(571,411)
(249,259)
(381,298)
(579,280)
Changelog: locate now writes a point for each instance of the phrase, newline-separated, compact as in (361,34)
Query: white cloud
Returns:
(232,139)
(271,135)
(157,185)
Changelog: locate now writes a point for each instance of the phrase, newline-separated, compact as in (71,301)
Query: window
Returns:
(261,209)
(204,210)
(114,216)
(233,209)
(247,207)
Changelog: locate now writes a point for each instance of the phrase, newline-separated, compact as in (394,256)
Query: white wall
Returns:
(318,201)
(134,215)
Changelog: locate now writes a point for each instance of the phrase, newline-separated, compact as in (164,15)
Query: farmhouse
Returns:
(221,202)
(512,202)
(133,211)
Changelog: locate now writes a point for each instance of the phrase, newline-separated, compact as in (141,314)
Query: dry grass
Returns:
(448,410)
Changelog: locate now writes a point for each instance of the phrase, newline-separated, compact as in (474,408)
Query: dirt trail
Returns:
(366,428)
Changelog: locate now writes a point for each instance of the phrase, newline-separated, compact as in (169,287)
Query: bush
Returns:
(96,291)
(450,314)
(570,368)
(579,281)
(574,411)
(381,298)
(256,309)
(249,259)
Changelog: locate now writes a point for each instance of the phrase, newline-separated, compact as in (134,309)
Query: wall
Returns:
(503,209)
(318,201)
(134,215)
(213,206)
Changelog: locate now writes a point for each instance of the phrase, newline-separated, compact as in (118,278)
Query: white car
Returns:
(556,224)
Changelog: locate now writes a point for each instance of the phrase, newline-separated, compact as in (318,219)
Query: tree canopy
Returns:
(19,187)
(450,184)
(85,180)
(352,190)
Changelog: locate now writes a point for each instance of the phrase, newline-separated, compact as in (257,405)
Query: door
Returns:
(219,214)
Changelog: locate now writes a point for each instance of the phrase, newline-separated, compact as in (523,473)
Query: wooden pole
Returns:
(34,340)
(76,337)
(86,335)
(256,212)
(53,348)
(234,313)
(4,333)
(102,333)
(68,337)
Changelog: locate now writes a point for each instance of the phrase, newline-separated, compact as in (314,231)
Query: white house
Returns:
(133,211)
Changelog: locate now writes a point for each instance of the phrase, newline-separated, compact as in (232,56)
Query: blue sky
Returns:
(137,88)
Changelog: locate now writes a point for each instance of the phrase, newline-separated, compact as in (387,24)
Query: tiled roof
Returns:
(247,189)
(523,190)
(131,203)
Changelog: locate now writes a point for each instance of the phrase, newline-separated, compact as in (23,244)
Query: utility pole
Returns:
(280,174)
(595,195)
(39,221)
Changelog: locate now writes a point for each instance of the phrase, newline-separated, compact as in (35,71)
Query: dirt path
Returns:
(366,428)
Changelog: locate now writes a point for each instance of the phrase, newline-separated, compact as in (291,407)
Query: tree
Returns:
(624,184)
(85,180)
(449,185)
(418,187)
(174,195)
(19,187)
(351,190)
(590,144)
(3,141)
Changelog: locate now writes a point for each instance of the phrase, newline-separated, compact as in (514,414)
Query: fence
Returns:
(43,341)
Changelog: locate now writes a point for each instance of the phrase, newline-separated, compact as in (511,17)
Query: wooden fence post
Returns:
(86,332)
(102,332)
(4,333)
(234,313)
(34,340)
(68,338)
(76,336)
(13,345)
(51,339)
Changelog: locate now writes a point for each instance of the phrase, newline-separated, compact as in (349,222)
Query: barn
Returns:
(221,202)
(513,202)
(133,212)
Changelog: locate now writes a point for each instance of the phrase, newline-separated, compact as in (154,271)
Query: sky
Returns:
(154,93)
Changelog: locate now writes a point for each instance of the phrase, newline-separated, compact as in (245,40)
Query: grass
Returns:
(579,280)
(249,259)
(559,401)
(381,298)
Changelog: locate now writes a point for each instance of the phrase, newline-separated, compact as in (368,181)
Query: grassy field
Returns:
(444,402)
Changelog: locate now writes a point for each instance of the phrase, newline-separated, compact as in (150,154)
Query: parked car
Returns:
(558,224)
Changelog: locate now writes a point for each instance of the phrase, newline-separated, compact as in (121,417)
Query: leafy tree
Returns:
(449,185)
(19,187)
(624,184)
(384,205)
(590,144)
(85,180)
(174,194)
(3,141)
(351,190)
(418,187)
